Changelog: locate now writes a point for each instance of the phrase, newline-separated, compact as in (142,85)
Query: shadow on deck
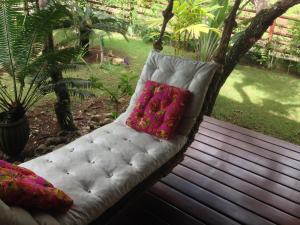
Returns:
(229,175)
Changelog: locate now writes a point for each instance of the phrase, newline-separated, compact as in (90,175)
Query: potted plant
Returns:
(22,41)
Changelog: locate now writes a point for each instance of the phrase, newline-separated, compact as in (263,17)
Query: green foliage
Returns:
(77,87)
(207,43)
(85,19)
(196,25)
(295,42)
(261,55)
(22,41)
(123,88)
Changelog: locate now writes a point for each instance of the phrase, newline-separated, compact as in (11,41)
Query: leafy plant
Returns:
(22,57)
(190,21)
(124,88)
(207,43)
(85,19)
(295,42)
(21,40)
(196,25)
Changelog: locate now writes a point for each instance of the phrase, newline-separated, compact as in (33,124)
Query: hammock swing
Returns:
(105,170)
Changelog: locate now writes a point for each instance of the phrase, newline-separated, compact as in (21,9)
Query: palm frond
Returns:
(76,87)
(22,41)
(106,22)
(9,28)
(80,93)
(76,83)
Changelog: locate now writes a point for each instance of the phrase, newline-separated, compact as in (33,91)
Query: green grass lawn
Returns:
(263,101)
(257,99)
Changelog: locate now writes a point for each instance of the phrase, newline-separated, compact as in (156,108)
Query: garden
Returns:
(70,67)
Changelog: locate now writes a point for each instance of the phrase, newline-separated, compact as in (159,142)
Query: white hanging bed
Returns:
(101,168)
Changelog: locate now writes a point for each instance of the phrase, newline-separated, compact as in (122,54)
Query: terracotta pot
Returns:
(14,136)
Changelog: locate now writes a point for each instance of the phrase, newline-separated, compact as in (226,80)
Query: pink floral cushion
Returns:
(159,109)
(21,187)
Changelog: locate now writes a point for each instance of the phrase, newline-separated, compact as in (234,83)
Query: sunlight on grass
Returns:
(261,100)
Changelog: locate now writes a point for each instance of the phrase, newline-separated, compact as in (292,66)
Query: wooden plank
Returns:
(228,141)
(134,216)
(214,201)
(244,164)
(252,140)
(150,219)
(166,211)
(190,206)
(238,185)
(186,180)
(259,160)
(254,134)
(241,174)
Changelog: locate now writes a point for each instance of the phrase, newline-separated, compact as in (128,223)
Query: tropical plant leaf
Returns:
(196,29)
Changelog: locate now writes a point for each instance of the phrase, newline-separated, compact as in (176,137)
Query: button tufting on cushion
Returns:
(109,175)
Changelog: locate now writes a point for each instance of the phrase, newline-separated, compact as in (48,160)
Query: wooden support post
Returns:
(271,30)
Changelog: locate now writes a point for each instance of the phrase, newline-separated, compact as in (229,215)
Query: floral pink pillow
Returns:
(159,109)
(21,187)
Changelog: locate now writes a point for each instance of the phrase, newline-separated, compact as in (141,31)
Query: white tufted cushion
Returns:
(98,169)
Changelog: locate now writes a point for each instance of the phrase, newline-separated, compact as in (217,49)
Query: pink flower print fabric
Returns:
(159,109)
(21,187)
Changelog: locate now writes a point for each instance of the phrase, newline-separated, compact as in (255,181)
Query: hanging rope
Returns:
(168,15)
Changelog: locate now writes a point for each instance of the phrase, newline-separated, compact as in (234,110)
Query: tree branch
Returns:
(230,24)
(259,24)
(168,15)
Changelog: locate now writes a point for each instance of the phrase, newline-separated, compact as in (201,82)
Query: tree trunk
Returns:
(84,37)
(259,24)
(63,105)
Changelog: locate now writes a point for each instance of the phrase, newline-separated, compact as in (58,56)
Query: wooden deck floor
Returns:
(230,175)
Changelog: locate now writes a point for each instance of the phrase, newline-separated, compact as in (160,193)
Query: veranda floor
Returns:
(229,175)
